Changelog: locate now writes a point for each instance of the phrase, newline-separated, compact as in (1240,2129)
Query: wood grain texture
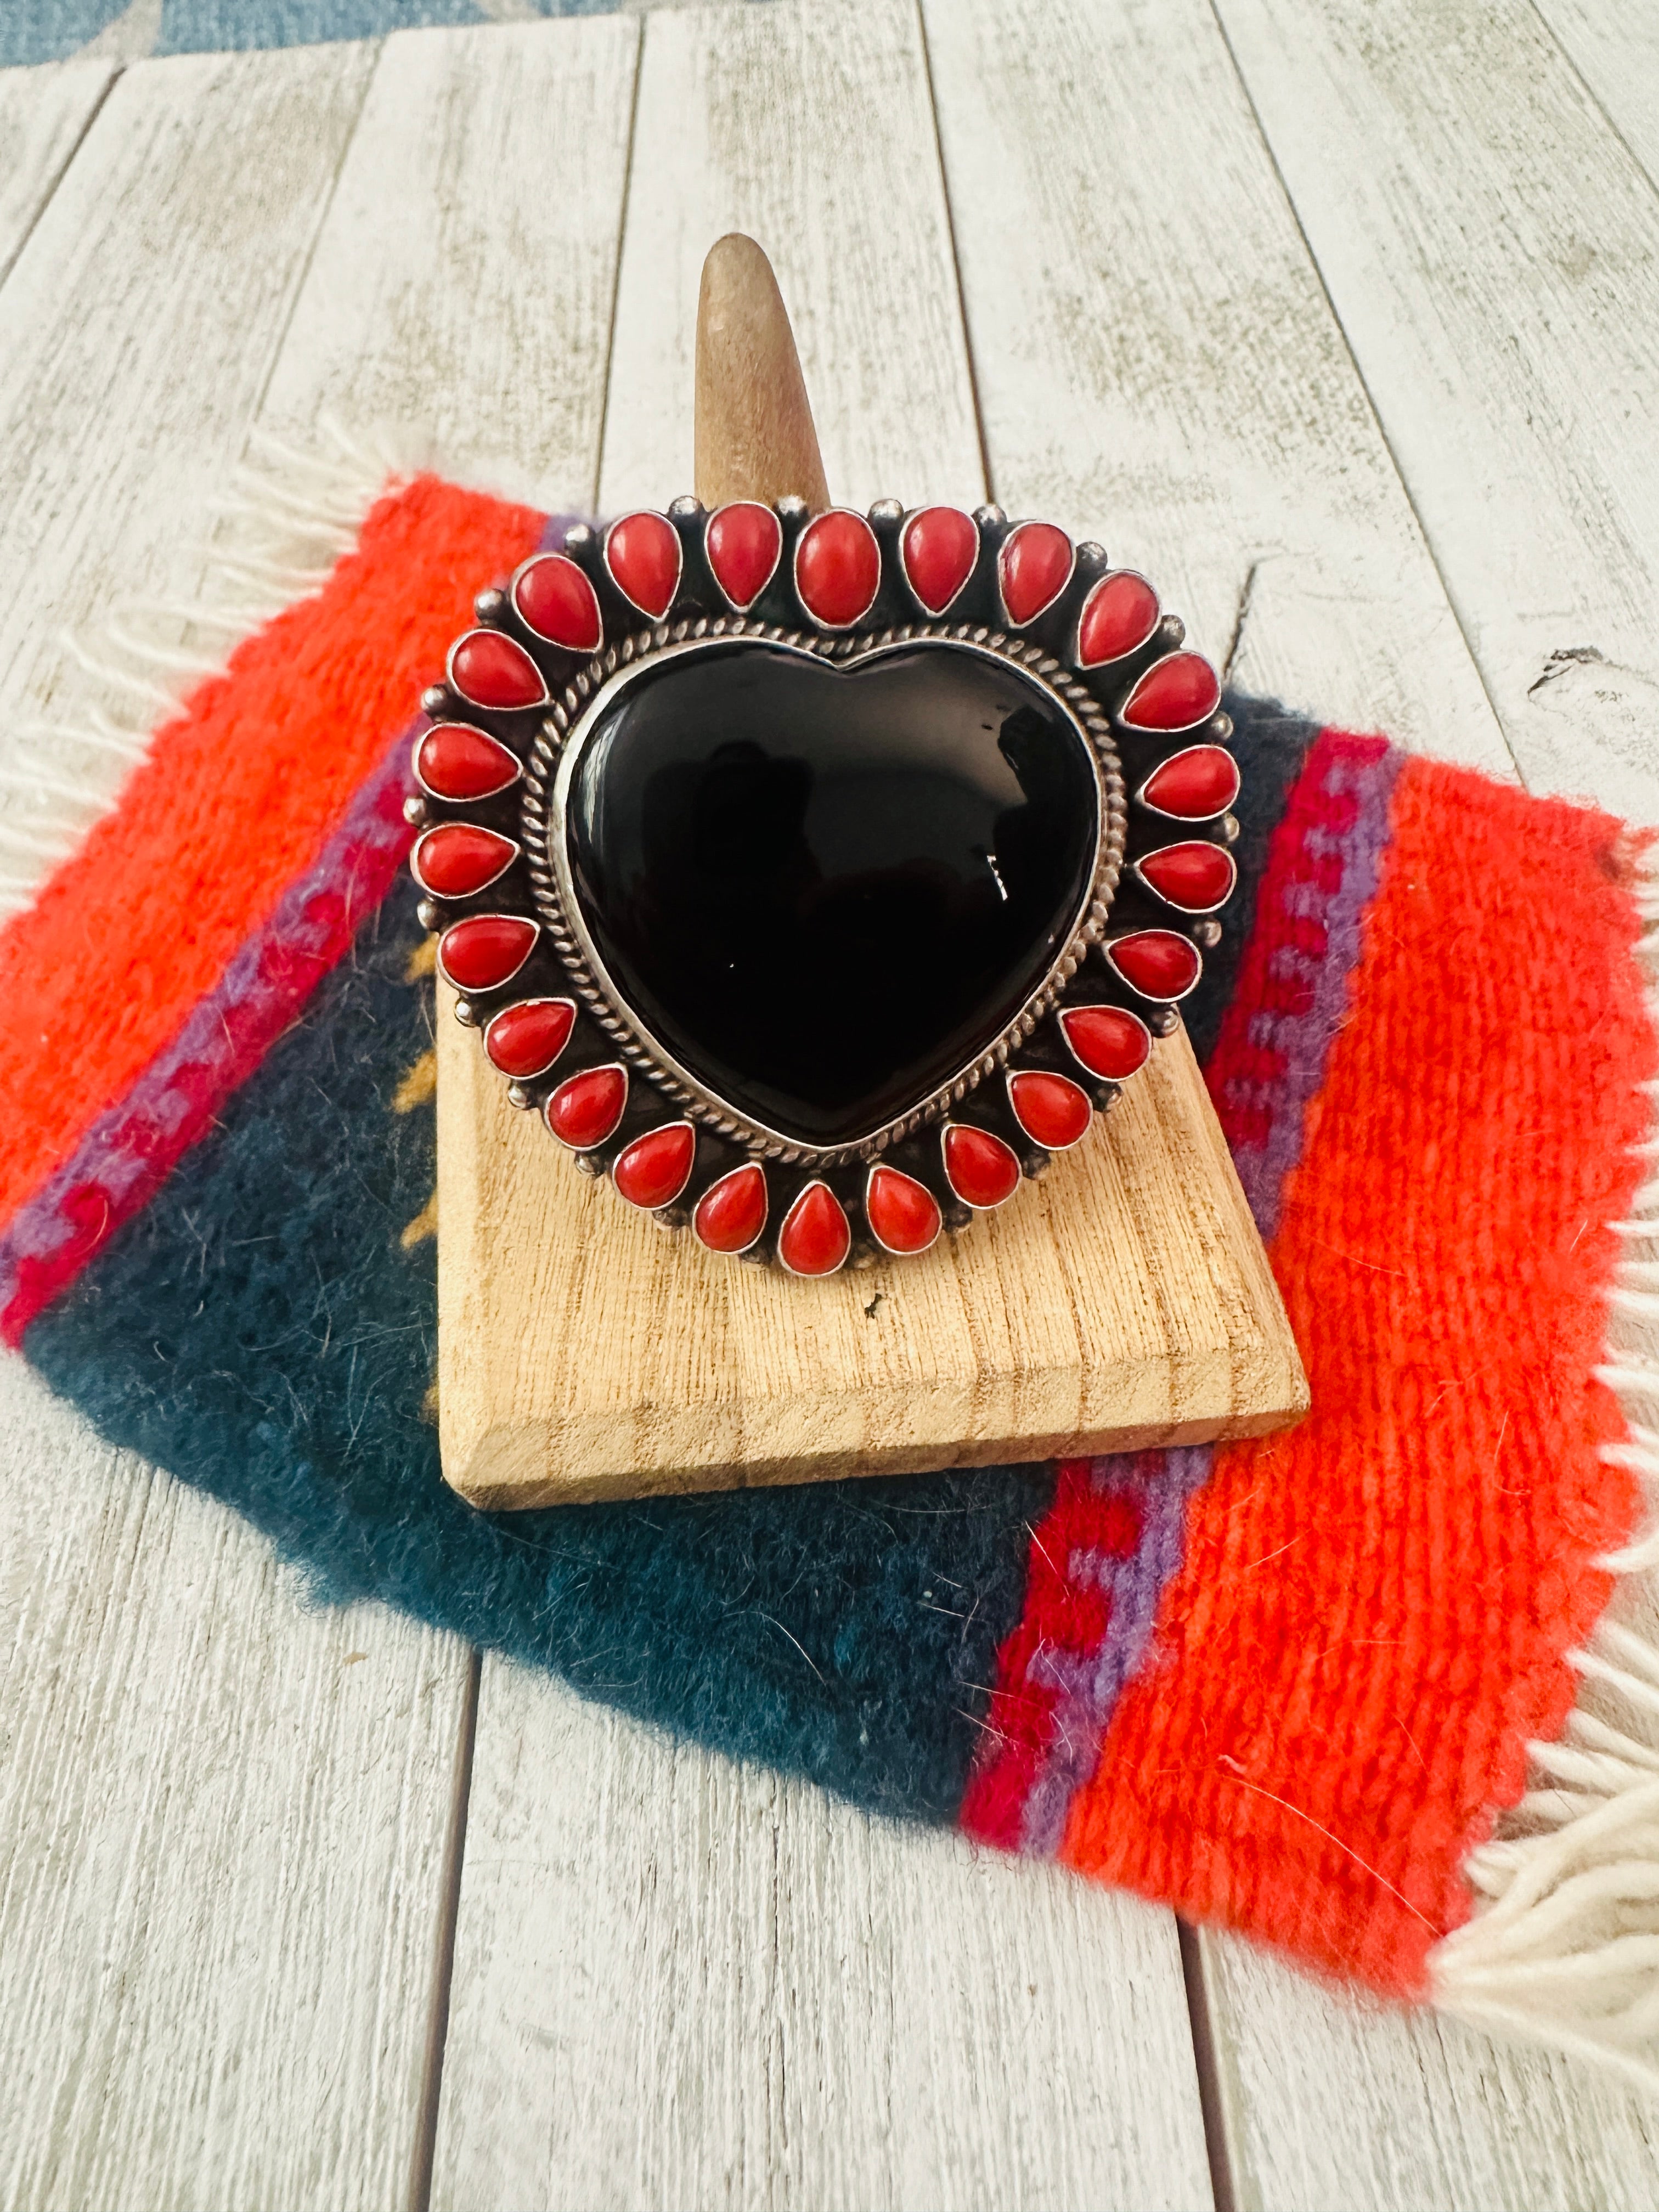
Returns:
(221,1844)
(754,433)
(1130,1303)
(1227,376)
(129,2073)
(137,328)
(551,2092)
(461,287)
(1614,47)
(715,1988)
(43,113)
(1123,1302)
(1333,2101)
(754,120)
(1156,362)
(222,1827)
(1492,249)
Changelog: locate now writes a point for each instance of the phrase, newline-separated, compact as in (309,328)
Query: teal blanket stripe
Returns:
(260,1329)
(52,30)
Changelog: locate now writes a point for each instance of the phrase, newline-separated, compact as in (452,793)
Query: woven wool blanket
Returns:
(1356,1689)
(129,30)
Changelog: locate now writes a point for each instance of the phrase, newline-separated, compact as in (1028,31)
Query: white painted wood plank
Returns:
(1176,340)
(461,289)
(221,1837)
(275,1991)
(810,128)
(1614,47)
(1158,369)
(443,283)
(1332,2102)
(222,1832)
(1492,249)
(679,1982)
(137,328)
(785,2003)
(43,113)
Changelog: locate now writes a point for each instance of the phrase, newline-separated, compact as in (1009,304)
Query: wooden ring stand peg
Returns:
(1124,1302)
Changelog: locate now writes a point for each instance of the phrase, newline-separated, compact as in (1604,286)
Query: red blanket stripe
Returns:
(236,801)
(1371,1618)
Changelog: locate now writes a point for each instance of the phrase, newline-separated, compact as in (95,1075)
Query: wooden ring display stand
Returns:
(583,1354)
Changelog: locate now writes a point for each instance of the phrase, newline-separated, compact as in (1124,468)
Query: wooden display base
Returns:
(584,1353)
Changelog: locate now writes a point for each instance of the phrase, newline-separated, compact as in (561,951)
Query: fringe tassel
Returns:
(1564,1946)
(286,519)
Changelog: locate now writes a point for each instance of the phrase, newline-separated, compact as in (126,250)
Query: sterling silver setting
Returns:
(1145,710)
(553,760)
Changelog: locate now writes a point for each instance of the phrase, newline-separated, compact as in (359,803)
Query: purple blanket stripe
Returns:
(129,1150)
(1301,1039)
(1089,1683)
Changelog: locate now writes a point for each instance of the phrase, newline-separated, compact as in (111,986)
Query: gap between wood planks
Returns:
(617,274)
(1370,402)
(1211,2105)
(423,2148)
(1197,1996)
(1217,2150)
(1570,62)
(58,175)
(443,1960)
(1193,1961)
(443,1965)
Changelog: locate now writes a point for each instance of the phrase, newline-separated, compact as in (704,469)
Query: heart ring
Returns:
(816,877)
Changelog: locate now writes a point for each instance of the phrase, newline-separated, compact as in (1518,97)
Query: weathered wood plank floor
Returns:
(1347,323)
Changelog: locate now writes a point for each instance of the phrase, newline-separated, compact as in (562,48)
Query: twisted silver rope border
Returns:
(703,1105)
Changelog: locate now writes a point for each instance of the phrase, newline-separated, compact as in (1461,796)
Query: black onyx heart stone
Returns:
(827,890)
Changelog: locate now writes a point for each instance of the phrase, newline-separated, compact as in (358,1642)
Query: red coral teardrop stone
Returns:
(742,542)
(455,761)
(491,671)
(556,599)
(1194,786)
(1051,1109)
(980,1168)
(459,858)
(527,1039)
(1035,566)
(1157,962)
(1175,692)
(1195,877)
(655,1167)
(815,1238)
(486,950)
(1109,1042)
(1119,615)
(939,547)
(642,552)
(731,1213)
(837,571)
(903,1214)
(585,1108)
